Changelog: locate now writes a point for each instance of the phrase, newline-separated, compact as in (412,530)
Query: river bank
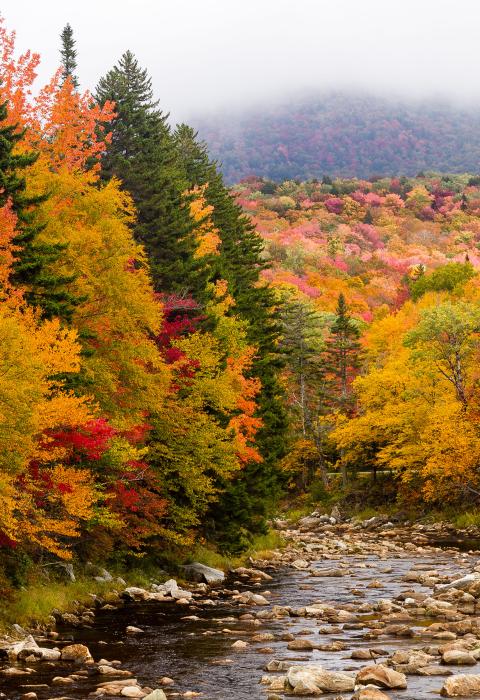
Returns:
(339,596)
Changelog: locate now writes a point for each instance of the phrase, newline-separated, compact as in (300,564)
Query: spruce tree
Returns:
(343,354)
(240,262)
(69,55)
(303,345)
(33,267)
(142,155)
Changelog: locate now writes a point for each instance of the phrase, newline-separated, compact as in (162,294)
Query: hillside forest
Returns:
(343,134)
(175,356)
(380,307)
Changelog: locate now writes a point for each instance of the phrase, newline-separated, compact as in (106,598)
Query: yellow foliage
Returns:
(118,313)
(31,401)
(207,235)
(411,419)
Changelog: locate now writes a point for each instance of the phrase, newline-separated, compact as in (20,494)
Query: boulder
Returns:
(461,584)
(252,598)
(255,574)
(76,652)
(115,688)
(49,654)
(301,645)
(458,657)
(170,588)
(203,574)
(26,647)
(132,691)
(381,676)
(461,686)
(318,678)
(134,593)
(370,692)
(107,670)
(239,644)
(309,522)
(156,695)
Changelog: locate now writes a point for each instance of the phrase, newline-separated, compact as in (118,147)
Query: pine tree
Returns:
(240,262)
(32,269)
(303,345)
(69,55)
(142,155)
(343,361)
(343,354)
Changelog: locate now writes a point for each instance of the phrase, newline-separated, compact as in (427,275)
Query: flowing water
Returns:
(198,654)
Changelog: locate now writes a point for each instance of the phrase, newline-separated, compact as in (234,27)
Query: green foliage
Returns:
(447,335)
(444,278)
(34,260)
(69,55)
(142,155)
(343,353)
(240,262)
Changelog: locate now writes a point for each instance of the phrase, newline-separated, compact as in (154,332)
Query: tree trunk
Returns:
(343,469)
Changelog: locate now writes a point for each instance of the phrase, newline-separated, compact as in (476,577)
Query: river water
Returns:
(198,655)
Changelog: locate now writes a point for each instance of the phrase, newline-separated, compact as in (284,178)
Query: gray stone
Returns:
(203,574)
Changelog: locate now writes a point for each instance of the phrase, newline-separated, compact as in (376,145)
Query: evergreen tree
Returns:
(240,262)
(143,156)
(343,354)
(303,345)
(32,269)
(69,55)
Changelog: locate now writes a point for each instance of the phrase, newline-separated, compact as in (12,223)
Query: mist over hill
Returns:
(346,135)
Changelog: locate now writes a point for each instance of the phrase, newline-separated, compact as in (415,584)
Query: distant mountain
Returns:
(346,136)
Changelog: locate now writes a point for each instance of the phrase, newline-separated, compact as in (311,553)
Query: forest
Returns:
(140,399)
(177,357)
(343,134)
(379,290)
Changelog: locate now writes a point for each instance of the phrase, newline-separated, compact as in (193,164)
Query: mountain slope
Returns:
(346,136)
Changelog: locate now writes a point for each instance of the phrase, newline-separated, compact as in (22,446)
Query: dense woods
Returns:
(138,385)
(380,295)
(176,356)
(342,134)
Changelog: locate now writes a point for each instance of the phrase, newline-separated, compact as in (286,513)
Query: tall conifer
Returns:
(69,55)
(142,155)
(33,267)
(240,263)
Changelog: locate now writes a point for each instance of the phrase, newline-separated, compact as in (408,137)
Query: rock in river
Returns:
(382,676)
(461,686)
(317,679)
(203,574)
(76,652)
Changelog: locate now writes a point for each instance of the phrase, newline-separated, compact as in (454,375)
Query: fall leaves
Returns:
(124,416)
(418,398)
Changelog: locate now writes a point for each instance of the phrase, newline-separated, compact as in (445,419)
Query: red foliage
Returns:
(89,441)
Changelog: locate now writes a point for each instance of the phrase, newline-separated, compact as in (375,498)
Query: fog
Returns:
(205,55)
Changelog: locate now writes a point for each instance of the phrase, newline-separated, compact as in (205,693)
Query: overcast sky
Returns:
(209,54)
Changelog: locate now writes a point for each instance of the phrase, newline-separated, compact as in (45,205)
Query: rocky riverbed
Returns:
(369,611)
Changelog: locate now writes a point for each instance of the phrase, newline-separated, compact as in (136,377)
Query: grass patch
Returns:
(35,603)
(468,519)
(261,548)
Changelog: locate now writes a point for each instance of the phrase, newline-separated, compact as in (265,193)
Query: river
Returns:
(198,654)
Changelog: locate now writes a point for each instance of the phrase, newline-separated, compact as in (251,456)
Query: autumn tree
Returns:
(240,263)
(32,268)
(448,336)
